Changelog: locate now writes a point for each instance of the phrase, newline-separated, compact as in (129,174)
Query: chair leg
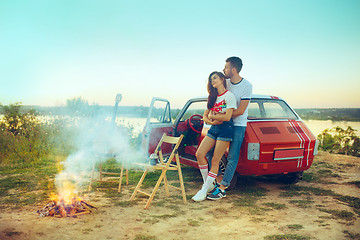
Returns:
(155,188)
(182,184)
(100,171)
(121,176)
(127,177)
(166,186)
(138,185)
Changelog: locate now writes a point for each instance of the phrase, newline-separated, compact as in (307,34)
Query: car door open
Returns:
(158,122)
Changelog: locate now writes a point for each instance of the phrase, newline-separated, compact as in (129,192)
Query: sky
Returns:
(305,51)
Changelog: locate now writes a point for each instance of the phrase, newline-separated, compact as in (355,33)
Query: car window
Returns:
(194,108)
(160,112)
(254,110)
(270,109)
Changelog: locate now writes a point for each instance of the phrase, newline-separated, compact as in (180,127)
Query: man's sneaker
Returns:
(200,196)
(213,188)
(217,194)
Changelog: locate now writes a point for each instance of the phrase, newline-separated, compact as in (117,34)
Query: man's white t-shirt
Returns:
(242,91)
(223,102)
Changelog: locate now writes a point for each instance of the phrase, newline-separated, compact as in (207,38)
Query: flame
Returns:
(53,197)
(67,192)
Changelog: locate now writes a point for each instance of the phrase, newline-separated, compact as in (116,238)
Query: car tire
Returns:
(292,178)
(222,166)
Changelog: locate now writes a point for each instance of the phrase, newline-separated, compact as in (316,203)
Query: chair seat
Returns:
(158,166)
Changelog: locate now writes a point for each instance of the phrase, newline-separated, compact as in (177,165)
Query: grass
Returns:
(144,237)
(249,194)
(151,220)
(257,220)
(286,237)
(324,173)
(310,177)
(302,203)
(296,190)
(23,184)
(321,170)
(356,183)
(353,202)
(295,226)
(349,235)
(276,206)
(193,223)
(245,202)
(156,218)
(10,233)
(342,215)
(322,164)
(125,203)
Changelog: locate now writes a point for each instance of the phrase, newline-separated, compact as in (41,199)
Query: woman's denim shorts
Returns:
(223,132)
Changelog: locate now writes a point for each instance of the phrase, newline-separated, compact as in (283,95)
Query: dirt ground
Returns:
(169,218)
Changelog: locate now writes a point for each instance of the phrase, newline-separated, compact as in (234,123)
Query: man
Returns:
(242,89)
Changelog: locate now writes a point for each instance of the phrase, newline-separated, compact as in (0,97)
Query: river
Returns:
(317,126)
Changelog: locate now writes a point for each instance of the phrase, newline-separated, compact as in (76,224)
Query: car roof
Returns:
(261,96)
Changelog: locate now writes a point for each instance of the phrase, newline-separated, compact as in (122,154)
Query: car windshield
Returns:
(270,109)
(195,108)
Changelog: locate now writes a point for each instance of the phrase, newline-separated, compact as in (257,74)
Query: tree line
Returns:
(333,114)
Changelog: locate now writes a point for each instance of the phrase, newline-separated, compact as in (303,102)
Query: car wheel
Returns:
(292,178)
(222,166)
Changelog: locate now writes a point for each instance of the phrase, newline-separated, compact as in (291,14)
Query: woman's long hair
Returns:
(213,92)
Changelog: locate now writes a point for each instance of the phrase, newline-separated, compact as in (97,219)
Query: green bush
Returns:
(339,140)
(24,138)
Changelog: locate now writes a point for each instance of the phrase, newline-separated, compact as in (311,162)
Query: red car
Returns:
(276,139)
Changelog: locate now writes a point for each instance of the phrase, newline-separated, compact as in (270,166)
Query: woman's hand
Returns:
(210,116)
(221,116)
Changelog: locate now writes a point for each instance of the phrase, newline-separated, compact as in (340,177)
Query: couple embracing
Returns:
(227,110)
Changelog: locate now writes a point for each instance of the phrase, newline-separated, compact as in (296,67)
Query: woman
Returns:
(220,102)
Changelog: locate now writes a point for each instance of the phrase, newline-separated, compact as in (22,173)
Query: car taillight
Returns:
(253,152)
(316,147)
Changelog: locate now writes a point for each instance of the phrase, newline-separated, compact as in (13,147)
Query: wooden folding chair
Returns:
(110,176)
(164,167)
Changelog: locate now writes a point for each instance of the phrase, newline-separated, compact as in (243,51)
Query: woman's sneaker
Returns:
(217,194)
(199,196)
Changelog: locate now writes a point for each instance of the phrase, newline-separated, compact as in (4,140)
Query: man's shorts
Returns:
(223,132)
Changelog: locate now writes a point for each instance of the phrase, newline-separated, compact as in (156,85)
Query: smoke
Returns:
(96,141)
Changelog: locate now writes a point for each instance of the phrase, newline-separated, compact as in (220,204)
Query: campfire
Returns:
(58,207)
(66,203)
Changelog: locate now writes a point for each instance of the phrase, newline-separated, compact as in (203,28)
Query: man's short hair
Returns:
(235,62)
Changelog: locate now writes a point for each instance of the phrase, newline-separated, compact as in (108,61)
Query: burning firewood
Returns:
(83,202)
(62,209)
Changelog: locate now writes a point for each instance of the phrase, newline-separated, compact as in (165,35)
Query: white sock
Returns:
(209,181)
(204,170)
